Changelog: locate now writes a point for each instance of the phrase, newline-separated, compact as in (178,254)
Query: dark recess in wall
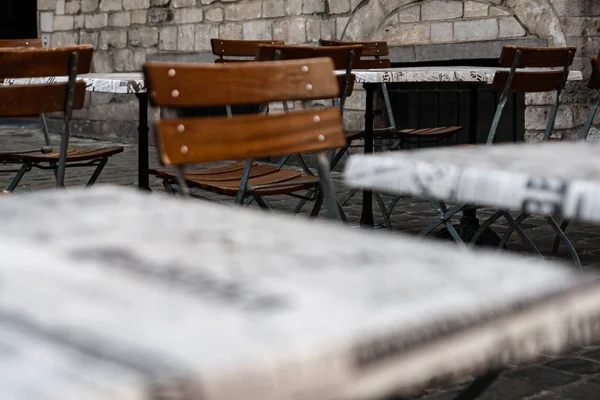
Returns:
(18,19)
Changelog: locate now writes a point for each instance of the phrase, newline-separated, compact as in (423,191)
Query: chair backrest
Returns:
(342,56)
(524,81)
(195,140)
(66,96)
(238,48)
(594,82)
(375,50)
(521,79)
(33,43)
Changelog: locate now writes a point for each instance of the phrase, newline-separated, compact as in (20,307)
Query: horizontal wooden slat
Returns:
(188,85)
(370,49)
(594,82)
(373,64)
(339,54)
(239,48)
(190,141)
(534,57)
(524,82)
(21,43)
(19,100)
(42,62)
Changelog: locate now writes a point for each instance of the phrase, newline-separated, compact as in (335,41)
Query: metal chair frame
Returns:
(446,214)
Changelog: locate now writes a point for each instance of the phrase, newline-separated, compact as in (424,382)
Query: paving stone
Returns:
(576,366)
(542,376)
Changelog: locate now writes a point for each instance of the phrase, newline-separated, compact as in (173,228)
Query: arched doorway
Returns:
(18,19)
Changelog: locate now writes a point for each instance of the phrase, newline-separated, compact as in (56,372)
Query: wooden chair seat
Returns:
(72,155)
(296,180)
(228,173)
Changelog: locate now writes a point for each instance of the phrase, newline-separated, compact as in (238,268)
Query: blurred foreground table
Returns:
(116,294)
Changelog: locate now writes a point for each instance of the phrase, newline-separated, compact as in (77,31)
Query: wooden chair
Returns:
(519,78)
(246,49)
(29,60)
(372,54)
(184,141)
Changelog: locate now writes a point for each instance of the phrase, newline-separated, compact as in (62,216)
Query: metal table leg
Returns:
(366,217)
(143,130)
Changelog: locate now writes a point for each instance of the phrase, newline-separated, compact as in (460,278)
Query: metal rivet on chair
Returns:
(316,118)
(175,93)
(180,128)
(184,149)
(309,87)
(171,72)
(304,68)
(321,138)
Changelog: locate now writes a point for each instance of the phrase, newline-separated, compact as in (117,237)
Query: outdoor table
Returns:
(113,293)
(133,83)
(371,78)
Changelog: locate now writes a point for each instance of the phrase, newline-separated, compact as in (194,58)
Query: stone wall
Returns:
(126,33)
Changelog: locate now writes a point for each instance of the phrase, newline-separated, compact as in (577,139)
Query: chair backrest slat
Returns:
(534,57)
(248,136)
(594,82)
(529,82)
(339,54)
(370,49)
(42,62)
(239,48)
(25,100)
(31,43)
(190,85)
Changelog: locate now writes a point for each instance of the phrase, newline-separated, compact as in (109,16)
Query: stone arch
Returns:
(403,21)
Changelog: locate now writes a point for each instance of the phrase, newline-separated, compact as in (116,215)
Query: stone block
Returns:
(139,17)
(159,3)
(293,7)
(243,11)
(410,14)
(136,4)
(89,5)
(60,39)
(497,11)
(79,21)
(86,37)
(204,33)
(167,38)
(185,37)
(479,29)
(273,8)
(158,15)
(96,21)
(441,9)
(188,15)
(510,27)
(102,61)
(403,34)
(536,118)
(357,101)
(327,29)
(183,3)
(144,36)
(47,21)
(475,9)
(63,22)
(388,5)
(119,19)
(231,31)
(340,26)
(338,6)
(43,5)
(257,30)
(313,6)
(123,60)
(73,7)
(441,32)
(214,14)
(365,21)
(292,31)
(313,30)
(60,7)
(113,39)
(111,5)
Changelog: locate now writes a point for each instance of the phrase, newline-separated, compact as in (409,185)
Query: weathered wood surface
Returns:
(114,294)
(543,178)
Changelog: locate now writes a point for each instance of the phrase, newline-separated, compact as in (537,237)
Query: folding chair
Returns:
(242,50)
(25,100)
(45,158)
(184,141)
(520,78)
(594,83)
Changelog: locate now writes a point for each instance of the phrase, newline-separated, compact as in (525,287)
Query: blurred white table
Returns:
(115,294)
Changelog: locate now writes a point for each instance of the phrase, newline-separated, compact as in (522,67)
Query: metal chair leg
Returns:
(524,238)
(263,203)
(384,212)
(318,204)
(393,204)
(349,197)
(556,245)
(522,217)
(495,217)
(565,240)
(97,172)
(13,184)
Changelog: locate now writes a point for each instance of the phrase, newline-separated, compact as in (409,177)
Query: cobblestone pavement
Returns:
(575,377)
